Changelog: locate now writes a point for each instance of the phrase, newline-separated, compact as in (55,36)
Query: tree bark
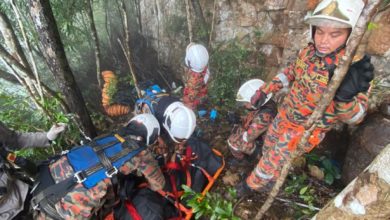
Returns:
(189,21)
(139,15)
(127,48)
(54,53)
(201,21)
(11,40)
(366,197)
(95,39)
(327,97)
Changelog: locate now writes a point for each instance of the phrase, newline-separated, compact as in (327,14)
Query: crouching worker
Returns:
(242,141)
(77,184)
(177,120)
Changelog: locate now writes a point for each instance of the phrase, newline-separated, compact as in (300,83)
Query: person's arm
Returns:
(18,140)
(31,139)
(280,81)
(352,112)
(351,98)
(145,163)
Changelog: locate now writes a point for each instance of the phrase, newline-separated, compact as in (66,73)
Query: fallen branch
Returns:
(327,97)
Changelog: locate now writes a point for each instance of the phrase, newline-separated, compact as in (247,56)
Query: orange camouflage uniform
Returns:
(309,78)
(195,90)
(242,141)
(83,203)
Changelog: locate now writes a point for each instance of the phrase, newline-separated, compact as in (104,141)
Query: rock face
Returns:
(365,144)
(274,28)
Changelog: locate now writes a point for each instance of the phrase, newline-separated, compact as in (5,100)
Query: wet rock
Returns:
(365,144)
(379,41)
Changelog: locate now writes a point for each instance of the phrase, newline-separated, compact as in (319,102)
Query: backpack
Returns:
(91,163)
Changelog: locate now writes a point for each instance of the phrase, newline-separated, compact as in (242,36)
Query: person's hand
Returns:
(357,80)
(258,99)
(55,130)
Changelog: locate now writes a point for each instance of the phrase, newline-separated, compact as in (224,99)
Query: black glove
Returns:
(258,99)
(357,80)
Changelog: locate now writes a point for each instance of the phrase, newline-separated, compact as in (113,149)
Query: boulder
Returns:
(365,144)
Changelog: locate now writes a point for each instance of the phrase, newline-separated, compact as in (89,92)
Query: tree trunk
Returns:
(139,15)
(54,53)
(127,47)
(189,21)
(366,197)
(95,39)
(201,22)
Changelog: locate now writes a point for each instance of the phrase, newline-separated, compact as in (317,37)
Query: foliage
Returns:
(331,170)
(212,205)
(229,70)
(298,184)
(20,114)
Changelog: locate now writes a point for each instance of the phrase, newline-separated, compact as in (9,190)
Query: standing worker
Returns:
(331,24)
(195,90)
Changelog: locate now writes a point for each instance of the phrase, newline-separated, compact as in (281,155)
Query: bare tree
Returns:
(14,59)
(126,47)
(54,53)
(95,39)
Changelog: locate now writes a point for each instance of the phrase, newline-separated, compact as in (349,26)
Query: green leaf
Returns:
(198,215)
(371,26)
(219,210)
(303,190)
(329,178)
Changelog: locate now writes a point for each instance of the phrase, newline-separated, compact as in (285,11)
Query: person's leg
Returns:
(243,140)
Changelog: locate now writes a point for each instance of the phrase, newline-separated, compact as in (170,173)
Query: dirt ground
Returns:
(286,205)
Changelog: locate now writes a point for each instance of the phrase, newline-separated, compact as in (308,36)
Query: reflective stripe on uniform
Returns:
(232,147)
(358,115)
(283,78)
(245,136)
(262,175)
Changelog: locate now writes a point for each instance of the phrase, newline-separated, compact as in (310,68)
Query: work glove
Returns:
(357,80)
(258,99)
(55,130)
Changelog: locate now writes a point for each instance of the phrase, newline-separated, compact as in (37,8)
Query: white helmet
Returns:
(179,121)
(197,57)
(336,13)
(147,125)
(248,89)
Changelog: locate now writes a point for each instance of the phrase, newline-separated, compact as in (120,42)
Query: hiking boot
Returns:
(243,190)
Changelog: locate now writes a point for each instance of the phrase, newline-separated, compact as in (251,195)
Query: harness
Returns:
(149,100)
(91,163)
(184,164)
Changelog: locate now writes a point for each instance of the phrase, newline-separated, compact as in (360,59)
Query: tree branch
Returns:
(189,21)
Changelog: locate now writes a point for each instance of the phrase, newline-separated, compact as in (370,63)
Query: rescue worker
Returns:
(13,192)
(331,24)
(195,90)
(83,203)
(242,141)
(178,120)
